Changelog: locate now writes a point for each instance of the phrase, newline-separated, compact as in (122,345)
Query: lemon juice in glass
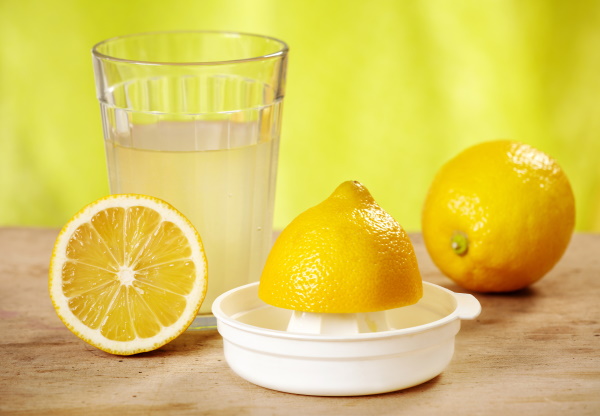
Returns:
(194,118)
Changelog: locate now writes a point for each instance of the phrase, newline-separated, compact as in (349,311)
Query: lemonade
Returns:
(227,194)
(193,118)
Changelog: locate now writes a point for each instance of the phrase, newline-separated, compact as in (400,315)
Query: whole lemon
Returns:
(498,216)
(345,255)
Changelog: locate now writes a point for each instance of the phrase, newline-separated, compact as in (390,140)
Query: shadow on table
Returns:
(189,343)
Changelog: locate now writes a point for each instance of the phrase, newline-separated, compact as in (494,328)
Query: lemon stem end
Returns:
(459,243)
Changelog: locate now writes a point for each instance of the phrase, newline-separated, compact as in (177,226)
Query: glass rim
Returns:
(282,51)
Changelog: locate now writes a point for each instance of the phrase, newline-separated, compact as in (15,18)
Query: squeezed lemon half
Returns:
(344,255)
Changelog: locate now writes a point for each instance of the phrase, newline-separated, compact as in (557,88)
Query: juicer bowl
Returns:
(258,347)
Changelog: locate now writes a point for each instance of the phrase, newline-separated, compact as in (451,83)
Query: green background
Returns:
(383,92)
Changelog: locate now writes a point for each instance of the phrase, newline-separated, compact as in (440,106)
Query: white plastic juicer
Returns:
(323,355)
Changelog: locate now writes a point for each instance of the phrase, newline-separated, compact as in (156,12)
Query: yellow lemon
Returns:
(498,216)
(128,274)
(345,255)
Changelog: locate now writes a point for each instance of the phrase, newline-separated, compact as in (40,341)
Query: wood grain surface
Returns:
(534,352)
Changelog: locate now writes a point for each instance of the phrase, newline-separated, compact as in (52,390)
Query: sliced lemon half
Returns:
(128,274)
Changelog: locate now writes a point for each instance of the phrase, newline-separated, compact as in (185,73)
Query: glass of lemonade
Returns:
(194,118)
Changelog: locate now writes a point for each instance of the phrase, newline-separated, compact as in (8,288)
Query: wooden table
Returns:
(535,352)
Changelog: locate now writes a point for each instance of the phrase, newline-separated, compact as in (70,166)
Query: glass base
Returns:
(203,323)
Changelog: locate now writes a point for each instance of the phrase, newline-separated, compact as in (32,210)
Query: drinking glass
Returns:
(194,118)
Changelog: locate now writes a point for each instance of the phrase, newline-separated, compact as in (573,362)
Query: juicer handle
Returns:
(468,306)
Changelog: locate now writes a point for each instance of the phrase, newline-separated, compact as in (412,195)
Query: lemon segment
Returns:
(128,274)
